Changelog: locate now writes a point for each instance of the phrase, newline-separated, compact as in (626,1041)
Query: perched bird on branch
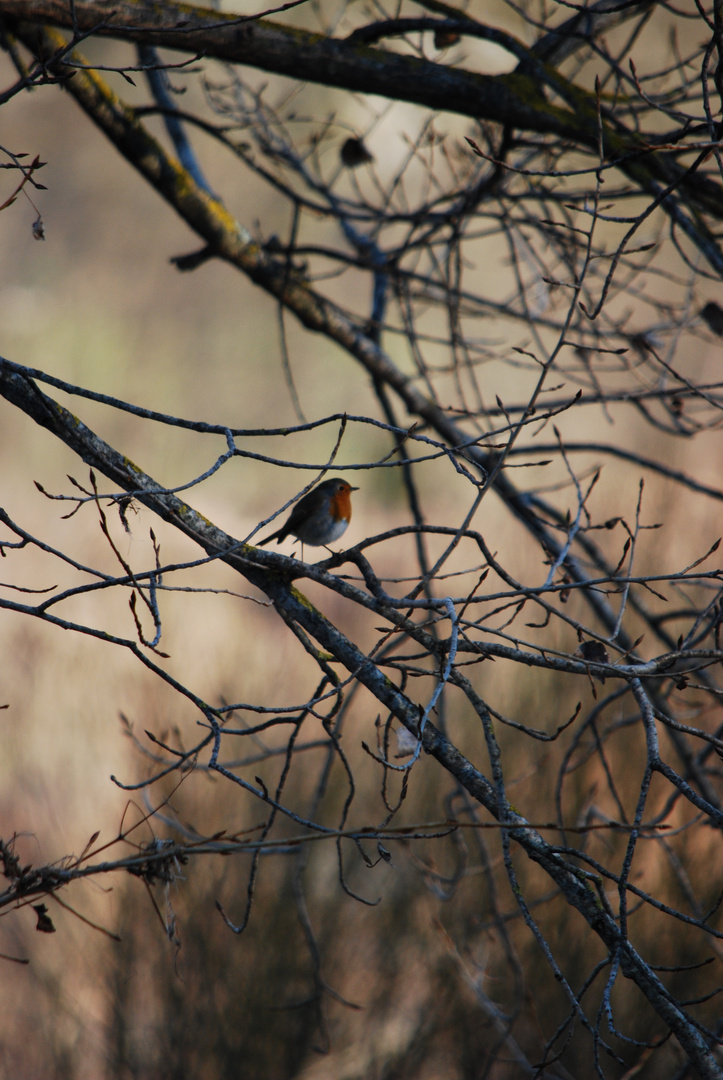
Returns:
(320,517)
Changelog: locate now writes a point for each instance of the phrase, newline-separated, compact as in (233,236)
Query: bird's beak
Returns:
(351,488)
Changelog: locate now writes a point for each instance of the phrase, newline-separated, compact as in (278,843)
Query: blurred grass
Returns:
(98,304)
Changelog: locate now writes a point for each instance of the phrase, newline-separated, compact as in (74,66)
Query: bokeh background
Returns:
(98,304)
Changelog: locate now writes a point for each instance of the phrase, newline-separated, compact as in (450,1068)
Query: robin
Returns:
(320,517)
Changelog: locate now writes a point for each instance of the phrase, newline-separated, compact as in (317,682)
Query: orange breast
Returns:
(341,505)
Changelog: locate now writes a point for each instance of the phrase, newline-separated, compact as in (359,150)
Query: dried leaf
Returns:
(354,153)
(406,743)
(594,652)
(712,315)
(45,923)
(444,38)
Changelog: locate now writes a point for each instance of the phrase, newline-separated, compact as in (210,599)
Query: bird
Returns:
(320,517)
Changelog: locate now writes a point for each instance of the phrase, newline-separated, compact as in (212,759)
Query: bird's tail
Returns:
(277,536)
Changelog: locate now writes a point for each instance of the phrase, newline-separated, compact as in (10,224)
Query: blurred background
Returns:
(434,959)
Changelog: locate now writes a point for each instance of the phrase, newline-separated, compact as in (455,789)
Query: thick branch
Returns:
(301,55)
(230,241)
(266,571)
(515,99)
